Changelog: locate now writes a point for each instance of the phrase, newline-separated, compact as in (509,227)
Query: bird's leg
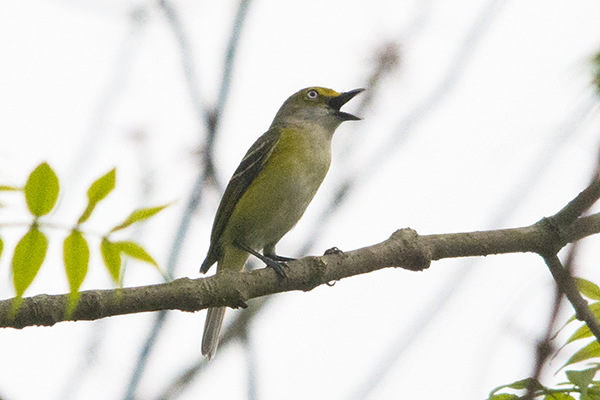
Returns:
(277,265)
(275,257)
(269,251)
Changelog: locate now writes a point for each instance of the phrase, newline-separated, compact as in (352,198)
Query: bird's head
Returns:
(316,105)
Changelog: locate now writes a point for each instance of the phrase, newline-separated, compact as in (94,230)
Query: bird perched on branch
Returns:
(272,187)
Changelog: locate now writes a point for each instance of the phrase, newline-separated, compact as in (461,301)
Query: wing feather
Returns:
(249,168)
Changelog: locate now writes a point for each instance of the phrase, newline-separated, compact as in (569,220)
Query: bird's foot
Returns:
(275,257)
(333,250)
(275,262)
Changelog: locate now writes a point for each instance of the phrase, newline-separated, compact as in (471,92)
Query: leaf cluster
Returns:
(41,193)
(579,382)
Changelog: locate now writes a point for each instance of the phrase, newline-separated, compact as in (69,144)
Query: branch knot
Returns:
(553,237)
(410,254)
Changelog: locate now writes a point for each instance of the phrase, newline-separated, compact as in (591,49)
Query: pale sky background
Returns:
(490,121)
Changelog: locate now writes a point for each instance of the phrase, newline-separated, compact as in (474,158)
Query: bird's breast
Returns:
(282,191)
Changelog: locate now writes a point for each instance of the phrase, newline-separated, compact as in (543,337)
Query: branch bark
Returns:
(404,249)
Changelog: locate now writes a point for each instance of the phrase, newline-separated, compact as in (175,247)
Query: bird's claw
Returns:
(333,250)
(278,266)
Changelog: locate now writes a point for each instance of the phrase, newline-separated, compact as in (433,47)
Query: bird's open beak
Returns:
(337,102)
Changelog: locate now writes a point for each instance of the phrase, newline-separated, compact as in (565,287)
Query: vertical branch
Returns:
(237,329)
(189,69)
(250,365)
(442,90)
(388,59)
(421,111)
(566,284)
(210,118)
(544,347)
(215,116)
(238,23)
(138,19)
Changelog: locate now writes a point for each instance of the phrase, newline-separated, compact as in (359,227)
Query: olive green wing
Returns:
(251,165)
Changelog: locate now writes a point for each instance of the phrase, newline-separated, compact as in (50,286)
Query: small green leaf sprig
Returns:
(41,194)
(580,382)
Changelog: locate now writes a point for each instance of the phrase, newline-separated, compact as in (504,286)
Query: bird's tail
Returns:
(232,259)
(212,328)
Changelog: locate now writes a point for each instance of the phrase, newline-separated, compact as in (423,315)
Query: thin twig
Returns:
(388,59)
(210,119)
(233,332)
(579,205)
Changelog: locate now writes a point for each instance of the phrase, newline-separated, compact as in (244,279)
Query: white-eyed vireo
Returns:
(271,188)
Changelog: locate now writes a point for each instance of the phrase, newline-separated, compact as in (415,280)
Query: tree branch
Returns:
(579,204)
(566,284)
(404,249)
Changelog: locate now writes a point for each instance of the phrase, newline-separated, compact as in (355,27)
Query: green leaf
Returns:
(504,396)
(7,188)
(102,186)
(558,396)
(136,251)
(582,379)
(518,385)
(41,190)
(28,258)
(139,215)
(581,333)
(588,289)
(590,351)
(97,192)
(76,254)
(1,246)
(594,308)
(112,259)
(593,392)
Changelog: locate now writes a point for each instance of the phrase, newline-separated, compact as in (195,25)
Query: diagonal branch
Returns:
(579,204)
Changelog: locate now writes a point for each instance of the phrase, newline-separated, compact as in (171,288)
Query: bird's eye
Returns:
(312,94)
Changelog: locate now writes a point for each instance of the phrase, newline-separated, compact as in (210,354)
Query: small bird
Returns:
(272,187)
